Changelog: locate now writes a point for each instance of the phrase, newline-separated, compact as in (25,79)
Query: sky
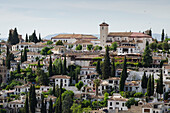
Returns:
(83,16)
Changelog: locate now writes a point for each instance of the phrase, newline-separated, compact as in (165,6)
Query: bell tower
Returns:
(103,33)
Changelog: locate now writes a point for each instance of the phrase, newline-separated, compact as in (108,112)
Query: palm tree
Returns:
(97,83)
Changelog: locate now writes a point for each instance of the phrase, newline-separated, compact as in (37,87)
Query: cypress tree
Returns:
(18,68)
(33,101)
(7,51)
(50,67)
(98,68)
(39,66)
(113,72)
(60,100)
(161,83)
(144,81)
(147,58)
(39,37)
(45,107)
(10,37)
(42,103)
(26,38)
(106,71)
(123,76)
(152,85)
(8,60)
(26,105)
(50,109)
(157,87)
(163,35)
(60,66)
(57,108)
(64,66)
(54,89)
(15,37)
(25,54)
(149,93)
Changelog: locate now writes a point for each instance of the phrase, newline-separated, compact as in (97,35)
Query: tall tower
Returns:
(103,33)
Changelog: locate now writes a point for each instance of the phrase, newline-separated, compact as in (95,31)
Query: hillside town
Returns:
(118,72)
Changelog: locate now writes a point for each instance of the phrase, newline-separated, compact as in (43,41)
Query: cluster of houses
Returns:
(131,44)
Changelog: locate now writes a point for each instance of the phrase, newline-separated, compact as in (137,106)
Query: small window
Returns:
(110,103)
(117,103)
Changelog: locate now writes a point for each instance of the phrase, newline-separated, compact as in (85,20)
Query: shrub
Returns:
(138,94)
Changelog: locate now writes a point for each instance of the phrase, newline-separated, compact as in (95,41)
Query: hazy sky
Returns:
(83,16)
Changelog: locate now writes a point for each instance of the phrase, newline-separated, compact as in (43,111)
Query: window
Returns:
(117,103)
(123,104)
(110,103)
(65,81)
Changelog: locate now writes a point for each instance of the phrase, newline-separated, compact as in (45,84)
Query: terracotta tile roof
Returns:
(33,53)
(139,35)
(60,76)
(167,67)
(83,42)
(76,36)
(126,47)
(114,78)
(118,99)
(119,34)
(148,105)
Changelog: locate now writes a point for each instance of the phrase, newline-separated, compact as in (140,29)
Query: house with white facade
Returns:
(117,102)
(64,80)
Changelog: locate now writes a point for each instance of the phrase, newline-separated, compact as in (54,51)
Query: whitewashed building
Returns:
(57,79)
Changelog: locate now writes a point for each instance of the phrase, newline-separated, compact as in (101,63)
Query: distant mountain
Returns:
(48,37)
(3,39)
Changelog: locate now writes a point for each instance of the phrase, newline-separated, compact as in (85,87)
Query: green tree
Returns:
(147,58)
(160,46)
(32,99)
(25,54)
(89,47)
(18,68)
(76,108)
(114,46)
(79,85)
(45,51)
(144,81)
(165,46)
(106,71)
(97,48)
(113,71)
(33,37)
(50,109)
(152,85)
(79,47)
(60,66)
(26,38)
(149,92)
(123,76)
(42,103)
(97,84)
(163,35)
(87,110)
(153,46)
(10,38)
(64,66)
(42,78)
(39,38)
(49,42)
(98,68)
(26,105)
(50,68)
(66,104)
(59,42)
(161,83)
